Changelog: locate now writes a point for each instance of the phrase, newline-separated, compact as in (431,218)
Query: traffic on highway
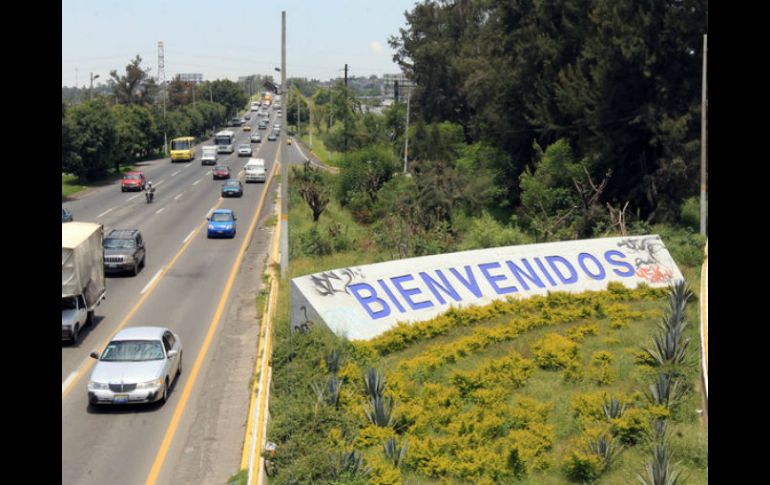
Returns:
(149,281)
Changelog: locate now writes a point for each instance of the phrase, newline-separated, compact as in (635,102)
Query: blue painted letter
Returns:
(552,260)
(485,267)
(407,292)
(433,285)
(608,257)
(367,301)
(581,261)
(470,283)
(531,276)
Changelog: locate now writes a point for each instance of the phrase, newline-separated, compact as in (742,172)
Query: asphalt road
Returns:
(119,446)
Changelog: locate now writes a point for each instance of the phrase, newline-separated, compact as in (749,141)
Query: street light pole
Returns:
(284,162)
(406,131)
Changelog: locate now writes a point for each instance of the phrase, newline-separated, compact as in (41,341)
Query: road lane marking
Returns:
(104,213)
(178,196)
(180,407)
(160,210)
(175,173)
(158,183)
(188,236)
(69,380)
(151,281)
(208,173)
(90,362)
(197,181)
(133,197)
(186,166)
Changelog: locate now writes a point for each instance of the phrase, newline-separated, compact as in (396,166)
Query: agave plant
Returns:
(374,383)
(380,411)
(658,432)
(668,347)
(333,361)
(659,470)
(675,320)
(613,409)
(665,391)
(393,454)
(330,393)
(350,463)
(606,448)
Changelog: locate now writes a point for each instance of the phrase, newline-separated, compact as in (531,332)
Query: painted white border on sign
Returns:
(363,302)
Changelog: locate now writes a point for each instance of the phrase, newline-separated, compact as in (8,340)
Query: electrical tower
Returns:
(162,82)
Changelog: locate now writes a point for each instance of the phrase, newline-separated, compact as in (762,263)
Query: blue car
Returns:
(222,223)
(232,188)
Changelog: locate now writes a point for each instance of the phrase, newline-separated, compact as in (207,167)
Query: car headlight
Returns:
(97,386)
(150,384)
(211,226)
(128,259)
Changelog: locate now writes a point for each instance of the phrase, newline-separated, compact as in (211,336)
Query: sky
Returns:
(225,39)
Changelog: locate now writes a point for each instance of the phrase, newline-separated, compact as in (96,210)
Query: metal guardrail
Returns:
(704,313)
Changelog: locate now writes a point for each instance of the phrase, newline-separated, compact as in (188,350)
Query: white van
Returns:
(209,155)
(255,170)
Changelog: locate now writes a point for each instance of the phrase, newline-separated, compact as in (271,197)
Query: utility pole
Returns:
(193,90)
(284,161)
(406,130)
(345,112)
(211,95)
(299,129)
(704,141)
(162,81)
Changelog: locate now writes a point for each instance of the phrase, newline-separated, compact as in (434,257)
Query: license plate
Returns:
(120,399)
(112,265)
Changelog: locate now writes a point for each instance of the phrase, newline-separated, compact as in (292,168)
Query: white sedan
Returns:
(138,365)
(244,149)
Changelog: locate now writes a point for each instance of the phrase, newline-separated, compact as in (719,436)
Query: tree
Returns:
(91,138)
(311,187)
(135,132)
(180,93)
(228,94)
(135,87)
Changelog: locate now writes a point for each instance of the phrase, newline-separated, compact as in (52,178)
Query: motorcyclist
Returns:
(149,192)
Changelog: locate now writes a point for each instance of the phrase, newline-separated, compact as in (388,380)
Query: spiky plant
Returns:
(675,320)
(380,411)
(333,361)
(613,408)
(668,347)
(658,431)
(329,393)
(374,383)
(665,391)
(660,470)
(606,448)
(350,463)
(393,454)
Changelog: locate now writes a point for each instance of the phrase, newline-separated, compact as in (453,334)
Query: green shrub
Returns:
(689,213)
(582,467)
(486,232)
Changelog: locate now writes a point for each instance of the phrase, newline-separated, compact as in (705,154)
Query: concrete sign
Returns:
(363,302)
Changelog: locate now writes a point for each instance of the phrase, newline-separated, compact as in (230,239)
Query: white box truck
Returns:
(209,156)
(82,276)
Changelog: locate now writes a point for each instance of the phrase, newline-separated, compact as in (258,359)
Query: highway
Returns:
(181,287)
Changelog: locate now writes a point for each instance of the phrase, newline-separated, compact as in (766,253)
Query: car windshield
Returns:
(119,244)
(180,145)
(68,303)
(245,147)
(220,168)
(132,176)
(133,351)
(232,183)
(221,217)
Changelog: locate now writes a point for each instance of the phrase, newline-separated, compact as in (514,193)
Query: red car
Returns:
(133,181)
(221,172)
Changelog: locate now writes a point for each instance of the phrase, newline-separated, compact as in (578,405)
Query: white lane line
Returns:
(105,212)
(133,197)
(188,236)
(177,197)
(175,173)
(208,173)
(151,282)
(197,181)
(186,166)
(69,379)
(160,210)
(158,183)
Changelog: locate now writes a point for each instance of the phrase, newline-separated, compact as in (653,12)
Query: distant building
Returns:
(194,77)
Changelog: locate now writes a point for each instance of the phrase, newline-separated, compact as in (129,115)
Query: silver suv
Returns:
(124,251)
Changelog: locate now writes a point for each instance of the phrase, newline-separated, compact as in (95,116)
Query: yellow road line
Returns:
(161,456)
(90,362)
(257,370)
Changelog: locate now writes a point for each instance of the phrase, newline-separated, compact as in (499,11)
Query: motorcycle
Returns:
(149,195)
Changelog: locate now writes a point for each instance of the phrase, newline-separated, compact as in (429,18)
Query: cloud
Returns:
(376,47)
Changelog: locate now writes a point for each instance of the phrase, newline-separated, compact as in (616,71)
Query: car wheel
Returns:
(135,271)
(179,368)
(143,261)
(75,333)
